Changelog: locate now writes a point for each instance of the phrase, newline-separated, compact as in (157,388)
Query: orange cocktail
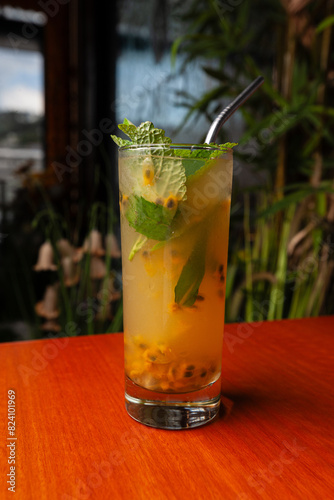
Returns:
(174,256)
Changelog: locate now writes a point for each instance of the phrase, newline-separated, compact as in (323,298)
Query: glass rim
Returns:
(133,147)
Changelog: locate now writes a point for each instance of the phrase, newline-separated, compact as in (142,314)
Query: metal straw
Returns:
(231,108)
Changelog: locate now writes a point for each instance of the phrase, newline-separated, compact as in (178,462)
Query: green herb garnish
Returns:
(146,133)
(149,219)
(186,289)
(191,157)
(140,242)
(170,177)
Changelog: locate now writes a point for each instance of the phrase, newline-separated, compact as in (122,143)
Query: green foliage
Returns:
(281,256)
(271,275)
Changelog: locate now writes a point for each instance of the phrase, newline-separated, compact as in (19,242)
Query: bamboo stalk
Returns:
(230,279)
(276,301)
(236,302)
(295,299)
(317,294)
(314,302)
(287,53)
(325,287)
(248,261)
(304,298)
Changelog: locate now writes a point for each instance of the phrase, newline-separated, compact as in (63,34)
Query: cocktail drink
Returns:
(174,205)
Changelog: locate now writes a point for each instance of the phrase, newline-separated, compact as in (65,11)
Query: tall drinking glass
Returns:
(174,257)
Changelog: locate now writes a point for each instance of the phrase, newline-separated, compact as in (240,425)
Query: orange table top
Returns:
(74,439)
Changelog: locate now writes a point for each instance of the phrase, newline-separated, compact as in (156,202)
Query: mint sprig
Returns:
(146,133)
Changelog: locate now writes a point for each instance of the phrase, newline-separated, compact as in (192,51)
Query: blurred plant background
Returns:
(61,275)
(176,63)
(281,256)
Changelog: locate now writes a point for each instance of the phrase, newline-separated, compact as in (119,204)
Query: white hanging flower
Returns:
(93,243)
(65,248)
(51,326)
(112,247)
(45,258)
(97,268)
(104,312)
(70,270)
(48,306)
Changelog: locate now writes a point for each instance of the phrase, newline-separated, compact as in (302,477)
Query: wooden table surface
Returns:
(274,440)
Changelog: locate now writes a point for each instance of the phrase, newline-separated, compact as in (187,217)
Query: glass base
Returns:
(172,411)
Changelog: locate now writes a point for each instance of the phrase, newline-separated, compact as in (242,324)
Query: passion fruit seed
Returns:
(155,368)
(159,201)
(148,172)
(200,298)
(123,201)
(171,202)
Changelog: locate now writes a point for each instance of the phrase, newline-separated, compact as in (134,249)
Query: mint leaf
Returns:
(120,142)
(146,133)
(191,157)
(191,166)
(201,152)
(138,245)
(129,129)
(186,289)
(169,174)
(149,219)
(170,177)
